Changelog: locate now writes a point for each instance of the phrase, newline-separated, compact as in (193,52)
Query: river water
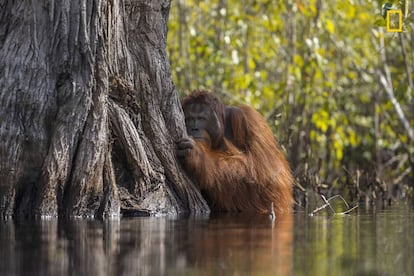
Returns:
(365,242)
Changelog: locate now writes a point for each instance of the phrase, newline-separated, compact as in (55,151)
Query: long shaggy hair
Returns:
(249,172)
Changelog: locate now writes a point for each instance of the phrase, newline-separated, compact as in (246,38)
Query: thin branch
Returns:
(387,85)
(386,82)
(328,205)
(407,66)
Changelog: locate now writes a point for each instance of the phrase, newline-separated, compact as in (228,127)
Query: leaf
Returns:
(380,22)
(353,139)
(252,64)
(321,120)
(330,26)
(298,60)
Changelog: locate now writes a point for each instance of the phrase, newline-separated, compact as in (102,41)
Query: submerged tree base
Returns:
(89,113)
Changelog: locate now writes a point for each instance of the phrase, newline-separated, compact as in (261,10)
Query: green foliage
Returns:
(311,67)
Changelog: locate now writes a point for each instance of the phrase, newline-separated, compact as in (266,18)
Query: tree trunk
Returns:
(89,114)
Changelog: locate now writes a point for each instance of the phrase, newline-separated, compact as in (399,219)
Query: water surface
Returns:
(362,243)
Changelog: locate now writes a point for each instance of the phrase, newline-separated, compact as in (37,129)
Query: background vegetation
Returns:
(336,88)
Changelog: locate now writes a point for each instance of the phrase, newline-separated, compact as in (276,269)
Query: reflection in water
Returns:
(230,245)
(147,246)
(368,243)
(358,244)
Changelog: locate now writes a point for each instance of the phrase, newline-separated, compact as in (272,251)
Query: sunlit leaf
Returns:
(321,120)
(380,22)
(298,60)
(330,26)
(252,64)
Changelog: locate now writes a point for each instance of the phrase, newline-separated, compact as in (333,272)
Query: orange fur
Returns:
(246,173)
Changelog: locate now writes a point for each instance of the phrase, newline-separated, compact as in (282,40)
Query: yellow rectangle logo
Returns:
(394,21)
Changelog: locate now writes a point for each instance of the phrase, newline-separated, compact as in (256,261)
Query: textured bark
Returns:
(89,114)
